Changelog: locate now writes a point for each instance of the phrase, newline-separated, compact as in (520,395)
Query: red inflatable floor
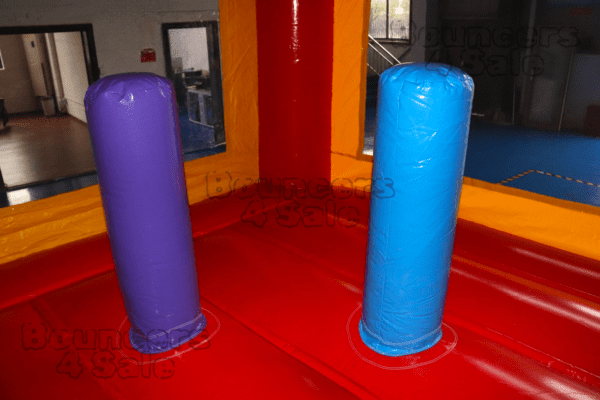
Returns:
(282,296)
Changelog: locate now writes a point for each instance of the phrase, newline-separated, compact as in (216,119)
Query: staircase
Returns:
(378,57)
(378,60)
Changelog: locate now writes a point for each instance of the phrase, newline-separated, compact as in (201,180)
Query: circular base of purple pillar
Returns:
(169,340)
(401,349)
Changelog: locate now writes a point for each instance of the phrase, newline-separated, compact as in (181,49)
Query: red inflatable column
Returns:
(295,62)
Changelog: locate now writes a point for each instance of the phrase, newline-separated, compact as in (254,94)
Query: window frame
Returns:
(387,39)
(87,38)
(214,56)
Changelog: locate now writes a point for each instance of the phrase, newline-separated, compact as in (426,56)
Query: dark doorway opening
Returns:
(44,142)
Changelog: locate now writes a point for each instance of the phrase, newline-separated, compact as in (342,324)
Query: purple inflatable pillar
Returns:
(134,128)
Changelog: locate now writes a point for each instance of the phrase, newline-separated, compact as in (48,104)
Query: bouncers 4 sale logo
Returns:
(105,353)
(297,202)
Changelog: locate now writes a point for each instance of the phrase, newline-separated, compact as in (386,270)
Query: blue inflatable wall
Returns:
(423,120)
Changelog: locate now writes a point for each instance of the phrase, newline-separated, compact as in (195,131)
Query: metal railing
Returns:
(378,57)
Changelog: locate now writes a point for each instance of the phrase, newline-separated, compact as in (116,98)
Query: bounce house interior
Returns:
(336,248)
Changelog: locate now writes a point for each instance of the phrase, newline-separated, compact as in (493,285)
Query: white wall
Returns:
(190,44)
(121,28)
(71,63)
(59,93)
(39,69)
(15,83)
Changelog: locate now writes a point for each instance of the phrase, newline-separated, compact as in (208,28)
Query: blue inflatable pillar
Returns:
(420,146)
(134,129)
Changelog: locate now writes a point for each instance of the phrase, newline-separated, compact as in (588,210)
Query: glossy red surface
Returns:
(295,66)
(283,302)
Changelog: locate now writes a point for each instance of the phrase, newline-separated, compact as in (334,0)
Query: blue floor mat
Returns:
(498,153)
(48,189)
(564,165)
(195,136)
(559,187)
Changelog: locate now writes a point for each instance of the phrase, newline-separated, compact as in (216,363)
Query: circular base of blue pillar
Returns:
(398,349)
(166,341)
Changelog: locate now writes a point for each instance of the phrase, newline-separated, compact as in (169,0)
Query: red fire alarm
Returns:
(148,55)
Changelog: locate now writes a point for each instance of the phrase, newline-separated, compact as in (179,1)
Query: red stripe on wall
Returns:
(295,64)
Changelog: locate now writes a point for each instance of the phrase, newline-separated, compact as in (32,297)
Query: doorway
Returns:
(46,71)
(193,64)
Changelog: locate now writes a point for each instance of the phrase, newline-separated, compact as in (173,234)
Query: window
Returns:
(390,20)
(193,63)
